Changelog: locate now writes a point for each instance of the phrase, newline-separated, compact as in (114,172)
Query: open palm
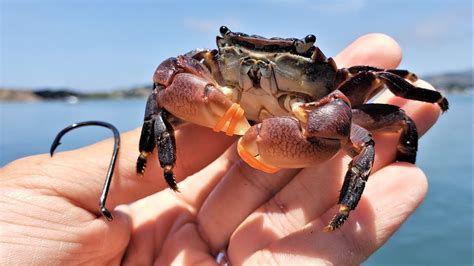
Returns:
(49,205)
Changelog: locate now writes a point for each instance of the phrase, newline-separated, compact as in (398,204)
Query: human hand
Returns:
(49,206)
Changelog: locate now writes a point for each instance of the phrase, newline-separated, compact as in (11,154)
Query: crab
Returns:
(291,105)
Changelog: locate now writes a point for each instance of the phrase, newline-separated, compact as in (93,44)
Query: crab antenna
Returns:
(108,179)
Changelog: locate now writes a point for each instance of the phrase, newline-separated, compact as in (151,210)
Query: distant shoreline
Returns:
(68,95)
(460,83)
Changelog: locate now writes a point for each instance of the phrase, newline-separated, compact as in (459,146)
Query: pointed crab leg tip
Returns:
(141,163)
(328,228)
(444,105)
(106,214)
(174,187)
(338,219)
(170,178)
(140,171)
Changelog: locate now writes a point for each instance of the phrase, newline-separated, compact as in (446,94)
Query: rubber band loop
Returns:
(254,162)
(226,117)
(234,121)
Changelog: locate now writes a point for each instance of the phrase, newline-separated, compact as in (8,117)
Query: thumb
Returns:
(107,241)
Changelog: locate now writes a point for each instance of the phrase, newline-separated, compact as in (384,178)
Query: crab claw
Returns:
(253,159)
(248,149)
(280,142)
(196,100)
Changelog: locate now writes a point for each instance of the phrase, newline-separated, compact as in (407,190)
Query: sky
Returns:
(111,44)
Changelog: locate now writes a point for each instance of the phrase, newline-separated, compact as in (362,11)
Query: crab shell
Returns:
(270,73)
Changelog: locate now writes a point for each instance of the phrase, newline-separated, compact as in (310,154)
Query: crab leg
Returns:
(147,141)
(157,131)
(373,117)
(166,144)
(399,72)
(403,88)
(389,118)
(361,146)
(360,83)
(345,74)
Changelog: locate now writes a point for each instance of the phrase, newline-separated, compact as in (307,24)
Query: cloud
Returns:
(210,26)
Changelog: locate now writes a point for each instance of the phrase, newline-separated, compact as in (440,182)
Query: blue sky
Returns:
(103,45)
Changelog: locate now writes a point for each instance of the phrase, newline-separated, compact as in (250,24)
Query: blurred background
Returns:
(68,61)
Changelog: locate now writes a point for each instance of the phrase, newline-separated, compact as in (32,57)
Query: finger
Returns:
(154,218)
(79,175)
(164,235)
(185,247)
(314,191)
(388,201)
(375,49)
(243,189)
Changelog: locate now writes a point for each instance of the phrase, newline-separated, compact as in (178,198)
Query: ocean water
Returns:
(439,232)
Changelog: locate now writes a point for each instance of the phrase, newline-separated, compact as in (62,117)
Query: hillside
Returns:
(452,81)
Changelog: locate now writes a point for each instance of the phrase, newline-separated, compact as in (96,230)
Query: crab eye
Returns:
(223,30)
(310,39)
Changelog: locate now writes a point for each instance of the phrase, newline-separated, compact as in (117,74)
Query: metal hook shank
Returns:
(108,179)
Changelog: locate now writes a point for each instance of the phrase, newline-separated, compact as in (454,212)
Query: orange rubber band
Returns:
(226,117)
(234,121)
(252,161)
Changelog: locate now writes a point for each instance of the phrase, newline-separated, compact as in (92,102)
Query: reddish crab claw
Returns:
(302,108)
